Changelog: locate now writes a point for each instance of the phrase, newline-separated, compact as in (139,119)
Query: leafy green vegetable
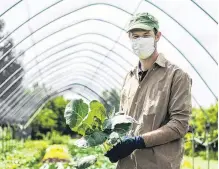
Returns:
(96,127)
(119,123)
(86,162)
(97,110)
(82,121)
(94,139)
(75,112)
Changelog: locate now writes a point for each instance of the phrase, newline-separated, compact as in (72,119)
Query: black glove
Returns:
(125,148)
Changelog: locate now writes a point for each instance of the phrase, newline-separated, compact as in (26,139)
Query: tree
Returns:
(8,71)
(51,118)
(202,118)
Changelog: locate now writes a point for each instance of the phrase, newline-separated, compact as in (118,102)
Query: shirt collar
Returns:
(161,61)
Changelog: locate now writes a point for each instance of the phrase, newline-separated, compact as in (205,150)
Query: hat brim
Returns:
(140,26)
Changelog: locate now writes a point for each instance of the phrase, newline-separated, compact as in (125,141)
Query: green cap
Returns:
(143,21)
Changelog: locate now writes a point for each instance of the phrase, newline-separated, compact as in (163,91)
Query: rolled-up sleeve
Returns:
(179,109)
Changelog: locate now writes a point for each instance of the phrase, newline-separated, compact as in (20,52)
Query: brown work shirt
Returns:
(161,103)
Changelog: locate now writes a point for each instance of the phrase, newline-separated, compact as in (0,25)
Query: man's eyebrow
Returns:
(146,32)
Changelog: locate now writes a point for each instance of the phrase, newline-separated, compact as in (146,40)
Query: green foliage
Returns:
(86,162)
(94,126)
(97,111)
(29,155)
(82,121)
(199,163)
(199,121)
(47,119)
(119,123)
(58,157)
(51,118)
(58,165)
(24,155)
(78,153)
(6,49)
(75,112)
(9,70)
(93,139)
(54,137)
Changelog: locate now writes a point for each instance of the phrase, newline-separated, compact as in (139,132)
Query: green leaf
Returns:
(52,166)
(86,162)
(82,121)
(97,114)
(94,139)
(75,112)
(123,128)
(119,123)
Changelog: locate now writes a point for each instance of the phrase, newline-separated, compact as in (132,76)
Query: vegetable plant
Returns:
(96,126)
(58,157)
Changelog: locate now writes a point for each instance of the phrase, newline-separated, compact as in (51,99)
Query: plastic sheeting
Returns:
(85,43)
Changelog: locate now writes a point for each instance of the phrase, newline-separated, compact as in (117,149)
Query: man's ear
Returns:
(157,36)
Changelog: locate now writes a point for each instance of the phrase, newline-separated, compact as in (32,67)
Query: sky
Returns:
(97,43)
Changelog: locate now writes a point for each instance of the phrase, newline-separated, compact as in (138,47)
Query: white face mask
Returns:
(143,47)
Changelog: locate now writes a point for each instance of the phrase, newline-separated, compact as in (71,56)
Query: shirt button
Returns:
(139,87)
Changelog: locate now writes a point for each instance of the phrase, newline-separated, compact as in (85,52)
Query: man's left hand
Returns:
(125,148)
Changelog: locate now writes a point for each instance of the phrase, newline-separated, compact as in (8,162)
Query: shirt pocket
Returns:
(155,102)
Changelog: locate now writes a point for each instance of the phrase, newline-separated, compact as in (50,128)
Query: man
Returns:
(158,95)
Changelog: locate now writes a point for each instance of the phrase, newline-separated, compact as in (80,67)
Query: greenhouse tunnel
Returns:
(80,49)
